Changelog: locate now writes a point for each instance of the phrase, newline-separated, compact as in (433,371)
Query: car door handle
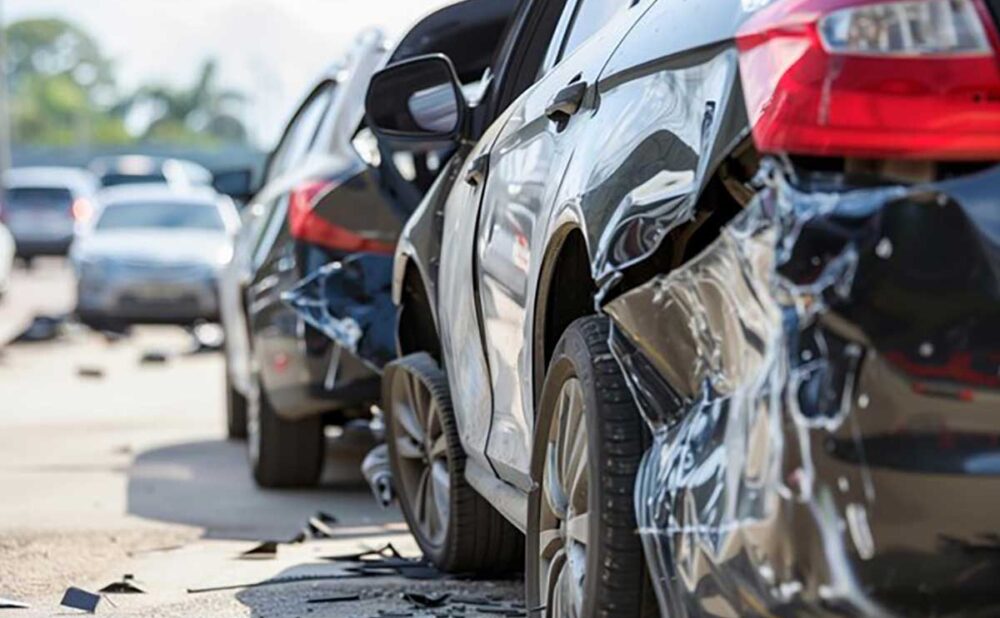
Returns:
(567,102)
(477,171)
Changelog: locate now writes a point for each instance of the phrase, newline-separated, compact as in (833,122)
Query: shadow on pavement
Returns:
(207,484)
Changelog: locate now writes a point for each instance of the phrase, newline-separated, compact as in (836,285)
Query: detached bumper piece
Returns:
(823,387)
(350,301)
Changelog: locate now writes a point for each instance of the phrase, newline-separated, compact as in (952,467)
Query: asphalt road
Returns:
(110,466)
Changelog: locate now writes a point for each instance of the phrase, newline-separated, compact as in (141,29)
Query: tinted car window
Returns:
(160,215)
(114,180)
(590,16)
(300,135)
(38,199)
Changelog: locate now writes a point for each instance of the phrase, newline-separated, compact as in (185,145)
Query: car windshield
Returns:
(114,180)
(37,199)
(160,215)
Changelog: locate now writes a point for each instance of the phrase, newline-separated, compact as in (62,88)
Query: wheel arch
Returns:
(416,329)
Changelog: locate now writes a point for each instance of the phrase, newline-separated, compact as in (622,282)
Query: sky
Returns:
(271,49)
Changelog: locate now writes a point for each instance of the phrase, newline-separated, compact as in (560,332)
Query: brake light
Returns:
(82,210)
(915,79)
(307,226)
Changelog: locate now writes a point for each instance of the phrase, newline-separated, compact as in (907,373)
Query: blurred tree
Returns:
(60,85)
(204,110)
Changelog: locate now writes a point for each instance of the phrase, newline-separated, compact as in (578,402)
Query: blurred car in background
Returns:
(6,258)
(41,207)
(332,194)
(142,169)
(152,254)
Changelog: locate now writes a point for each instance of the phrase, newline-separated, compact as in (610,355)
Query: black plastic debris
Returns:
(386,550)
(125,586)
(76,598)
(42,328)
(266,550)
(12,604)
(153,357)
(276,581)
(426,600)
(344,598)
(318,526)
(92,373)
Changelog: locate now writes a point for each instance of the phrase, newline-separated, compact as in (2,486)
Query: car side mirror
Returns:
(417,104)
(237,184)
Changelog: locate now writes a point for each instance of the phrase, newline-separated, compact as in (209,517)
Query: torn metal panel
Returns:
(350,302)
(821,385)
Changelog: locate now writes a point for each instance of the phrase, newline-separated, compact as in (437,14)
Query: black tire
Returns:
(583,376)
(282,453)
(236,411)
(473,536)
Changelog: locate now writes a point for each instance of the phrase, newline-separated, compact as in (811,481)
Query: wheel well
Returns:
(567,293)
(417,331)
(567,289)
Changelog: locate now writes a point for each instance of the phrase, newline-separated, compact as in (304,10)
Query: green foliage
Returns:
(63,92)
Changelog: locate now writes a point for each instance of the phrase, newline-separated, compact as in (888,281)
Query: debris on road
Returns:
(427,600)
(12,604)
(42,328)
(153,357)
(90,372)
(386,550)
(376,470)
(265,550)
(344,598)
(76,598)
(125,586)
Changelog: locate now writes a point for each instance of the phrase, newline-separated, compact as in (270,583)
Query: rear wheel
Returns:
(236,411)
(585,557)
(282,453)
(456,528)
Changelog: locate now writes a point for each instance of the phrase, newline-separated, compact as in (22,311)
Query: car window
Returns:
(160,216)
(301,133)
(41,199)
(590,16)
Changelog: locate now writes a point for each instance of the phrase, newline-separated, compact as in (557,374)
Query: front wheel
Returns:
(454,526)
(584,555)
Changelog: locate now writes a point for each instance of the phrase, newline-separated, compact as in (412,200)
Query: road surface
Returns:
(110,466)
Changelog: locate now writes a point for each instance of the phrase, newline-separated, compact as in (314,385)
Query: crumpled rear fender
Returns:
(823,388)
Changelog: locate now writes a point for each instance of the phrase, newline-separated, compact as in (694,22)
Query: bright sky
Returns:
(271,49)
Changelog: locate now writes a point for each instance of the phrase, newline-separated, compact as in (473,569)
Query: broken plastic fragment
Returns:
(76,598)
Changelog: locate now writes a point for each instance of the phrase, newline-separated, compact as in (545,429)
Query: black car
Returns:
(331,195)
(710,311)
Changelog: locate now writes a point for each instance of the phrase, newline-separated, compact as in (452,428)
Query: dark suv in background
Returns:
(331,192)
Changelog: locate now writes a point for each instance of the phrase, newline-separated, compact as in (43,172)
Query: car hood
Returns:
(167,246)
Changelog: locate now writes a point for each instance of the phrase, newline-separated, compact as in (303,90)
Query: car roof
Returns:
(76,179)
(139,164)
(158,193)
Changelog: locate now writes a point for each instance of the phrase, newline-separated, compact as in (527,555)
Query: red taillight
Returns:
(307,226)
(873,79)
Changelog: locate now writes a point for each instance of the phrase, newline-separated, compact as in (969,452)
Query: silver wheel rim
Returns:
(422,454)
(564,517)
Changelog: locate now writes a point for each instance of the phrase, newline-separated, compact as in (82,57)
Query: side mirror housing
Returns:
(237,184)
(417,104)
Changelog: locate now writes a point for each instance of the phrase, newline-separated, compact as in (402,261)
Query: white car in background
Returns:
(42,206)
(153,254)
(6,258)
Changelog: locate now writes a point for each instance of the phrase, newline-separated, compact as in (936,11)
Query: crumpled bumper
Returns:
(823,389)
(350,301)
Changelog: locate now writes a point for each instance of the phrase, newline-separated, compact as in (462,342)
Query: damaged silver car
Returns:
(711,312)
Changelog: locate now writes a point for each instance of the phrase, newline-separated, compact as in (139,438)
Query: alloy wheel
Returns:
(422,452)
(564,518)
